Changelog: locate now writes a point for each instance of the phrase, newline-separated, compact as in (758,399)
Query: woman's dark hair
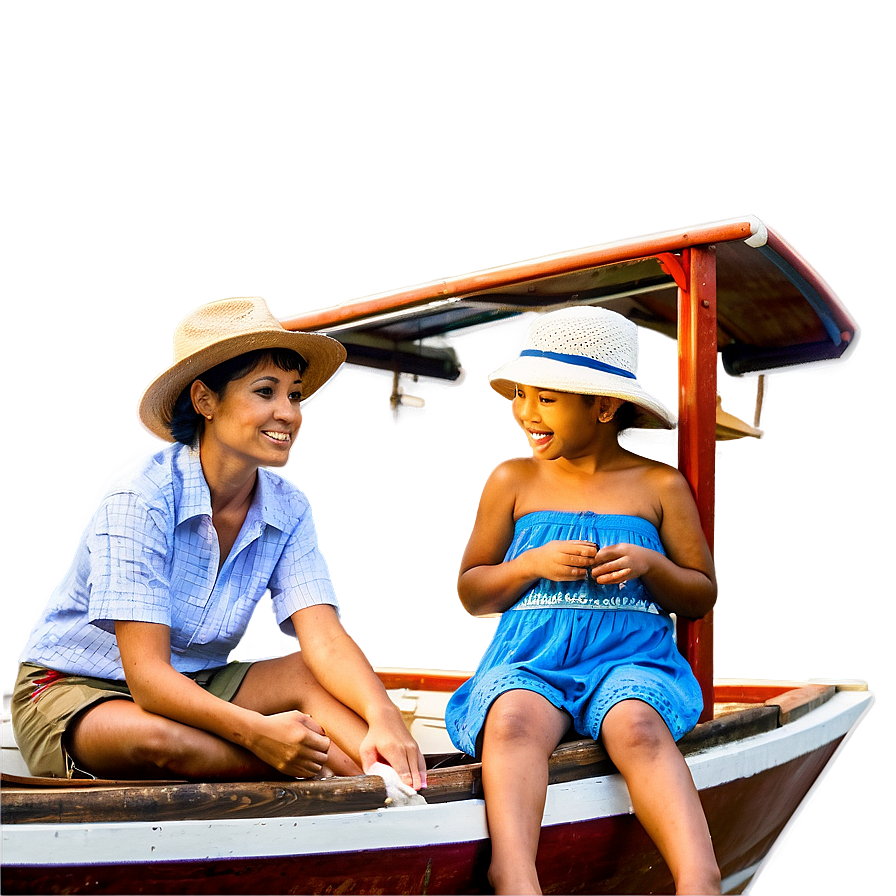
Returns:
(186,422)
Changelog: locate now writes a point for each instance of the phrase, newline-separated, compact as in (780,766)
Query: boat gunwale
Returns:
(761,707)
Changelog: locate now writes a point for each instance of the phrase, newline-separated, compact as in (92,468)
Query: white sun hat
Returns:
(586,350)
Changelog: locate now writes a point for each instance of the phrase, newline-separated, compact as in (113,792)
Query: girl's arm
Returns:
(338,664)
(486,584)
(291,742)
(682,582)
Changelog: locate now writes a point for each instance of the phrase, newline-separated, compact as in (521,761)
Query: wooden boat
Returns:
(734,289)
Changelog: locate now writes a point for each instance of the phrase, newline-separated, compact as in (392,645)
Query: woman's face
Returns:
(257,418)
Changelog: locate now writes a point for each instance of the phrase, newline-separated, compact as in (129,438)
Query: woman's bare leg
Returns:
(663,794)
(521,731)
(118,739)
(286,683)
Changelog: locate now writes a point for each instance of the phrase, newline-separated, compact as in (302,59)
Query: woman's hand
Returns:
(291,742)
(341,668)
(388,740)
(560,561)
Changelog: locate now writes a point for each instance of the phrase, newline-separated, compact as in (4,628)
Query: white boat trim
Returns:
(49,845)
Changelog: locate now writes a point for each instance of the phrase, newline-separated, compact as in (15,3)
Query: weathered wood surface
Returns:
(202,801)
(794,704)
(23,782)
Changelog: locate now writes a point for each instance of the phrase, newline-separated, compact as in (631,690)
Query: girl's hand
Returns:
(618,563)
(390,742)
(292,742)
(561,561)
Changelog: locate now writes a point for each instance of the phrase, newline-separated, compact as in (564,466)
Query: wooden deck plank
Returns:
(794,704)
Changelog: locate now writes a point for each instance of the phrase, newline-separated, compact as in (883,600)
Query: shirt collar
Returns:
(195,498)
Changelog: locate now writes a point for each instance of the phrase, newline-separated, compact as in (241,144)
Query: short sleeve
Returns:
(301,578)
(128,563)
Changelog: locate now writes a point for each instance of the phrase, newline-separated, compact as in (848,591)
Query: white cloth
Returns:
(397,792)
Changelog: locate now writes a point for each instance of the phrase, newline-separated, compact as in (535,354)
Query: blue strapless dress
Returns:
(582,646)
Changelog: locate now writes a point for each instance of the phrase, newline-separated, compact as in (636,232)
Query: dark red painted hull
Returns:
(605,855)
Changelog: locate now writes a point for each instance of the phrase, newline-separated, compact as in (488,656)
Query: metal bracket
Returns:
(672,265)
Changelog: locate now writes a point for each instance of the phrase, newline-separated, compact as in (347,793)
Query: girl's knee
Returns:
(508,723)
(524,717)
(635,725)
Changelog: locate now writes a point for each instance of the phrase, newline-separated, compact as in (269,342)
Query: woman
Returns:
(126,673)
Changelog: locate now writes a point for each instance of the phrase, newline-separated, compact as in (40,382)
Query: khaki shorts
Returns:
(45,703)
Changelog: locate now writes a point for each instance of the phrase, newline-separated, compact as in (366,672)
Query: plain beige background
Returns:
(160,155)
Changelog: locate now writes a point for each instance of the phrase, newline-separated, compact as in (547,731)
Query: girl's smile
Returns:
(556,423)
(540,439)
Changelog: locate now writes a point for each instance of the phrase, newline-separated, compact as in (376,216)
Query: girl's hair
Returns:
(626,416)
(186,423)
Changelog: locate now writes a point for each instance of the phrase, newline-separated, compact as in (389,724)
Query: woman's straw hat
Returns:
(220,331)
(590,351)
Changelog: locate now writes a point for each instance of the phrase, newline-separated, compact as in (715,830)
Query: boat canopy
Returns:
(733,288)
(773,309)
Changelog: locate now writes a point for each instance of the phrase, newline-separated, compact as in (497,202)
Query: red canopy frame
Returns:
(696,432)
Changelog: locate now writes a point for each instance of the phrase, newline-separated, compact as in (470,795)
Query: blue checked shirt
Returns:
(150,554)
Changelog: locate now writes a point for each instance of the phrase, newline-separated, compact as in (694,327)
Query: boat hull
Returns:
(602,855)
(590,840)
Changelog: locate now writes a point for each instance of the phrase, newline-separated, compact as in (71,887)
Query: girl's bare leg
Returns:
(663,794)
(521,731)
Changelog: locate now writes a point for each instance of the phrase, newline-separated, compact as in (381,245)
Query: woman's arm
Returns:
(682,582)
(291,742)
(339,665)
(486,584)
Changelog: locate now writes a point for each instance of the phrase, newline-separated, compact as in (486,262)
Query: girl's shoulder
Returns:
(506,483)
(651,485)
(665,476)
(513,474)
(515,466)
(654,469)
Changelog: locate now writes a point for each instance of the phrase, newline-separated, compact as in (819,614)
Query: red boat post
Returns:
(697,359)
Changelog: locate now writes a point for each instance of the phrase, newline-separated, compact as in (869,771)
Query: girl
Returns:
(126,673)
(586,549)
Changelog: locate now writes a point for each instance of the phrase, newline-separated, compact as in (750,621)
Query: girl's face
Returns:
(557,424)
(257,418)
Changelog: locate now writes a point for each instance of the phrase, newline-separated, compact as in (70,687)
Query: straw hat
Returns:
(220,331)
(590,351)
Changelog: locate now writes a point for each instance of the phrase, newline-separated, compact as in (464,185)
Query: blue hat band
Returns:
(578,361)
